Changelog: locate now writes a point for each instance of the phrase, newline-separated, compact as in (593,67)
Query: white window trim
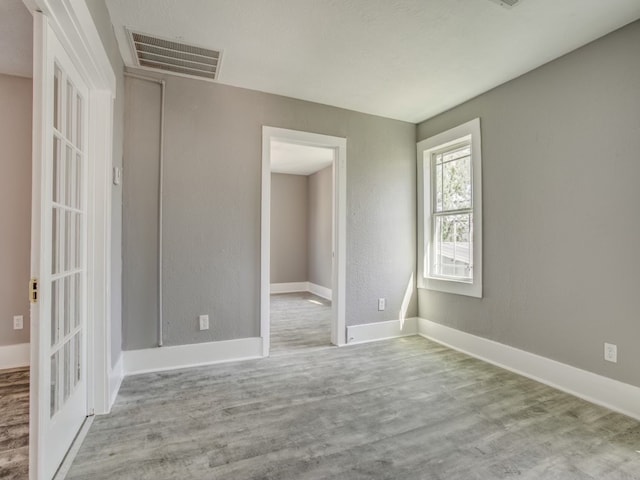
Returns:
(464,132)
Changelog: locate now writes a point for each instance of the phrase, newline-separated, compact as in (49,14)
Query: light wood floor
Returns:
(299,321)
(404,408)
(14,423)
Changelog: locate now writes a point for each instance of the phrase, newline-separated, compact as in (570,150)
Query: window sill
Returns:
(456,287)
(451,279)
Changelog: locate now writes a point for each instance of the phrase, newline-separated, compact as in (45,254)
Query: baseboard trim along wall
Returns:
(612,394)
(195,355)
(319,290)
(289,287)
(14,356)
(295,287)
(115,380)
(371,332)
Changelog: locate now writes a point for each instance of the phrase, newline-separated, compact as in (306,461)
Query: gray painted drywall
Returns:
(140,214)
(102,20)
(561,225)
(15,206)
(213,164)
(320,224)
(289,243)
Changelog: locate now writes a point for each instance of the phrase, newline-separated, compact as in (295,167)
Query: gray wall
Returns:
(301,227)
(15,205)
(212,208)
(102,21)
(140,215)
(320,227)
(561,224)
(289,220)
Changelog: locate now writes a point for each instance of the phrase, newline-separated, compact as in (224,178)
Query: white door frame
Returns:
(73,25)
(339,144)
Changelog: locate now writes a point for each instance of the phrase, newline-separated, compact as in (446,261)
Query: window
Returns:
(450,217)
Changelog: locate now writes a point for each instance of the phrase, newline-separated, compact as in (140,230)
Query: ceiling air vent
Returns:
(175,57)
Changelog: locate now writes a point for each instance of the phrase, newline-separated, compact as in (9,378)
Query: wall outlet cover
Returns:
(611,352)
(204,322)
(382,304)
(18,322)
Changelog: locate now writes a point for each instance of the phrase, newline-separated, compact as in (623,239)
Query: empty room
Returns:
(316,239)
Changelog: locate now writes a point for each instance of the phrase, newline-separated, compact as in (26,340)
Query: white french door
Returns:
(59,250)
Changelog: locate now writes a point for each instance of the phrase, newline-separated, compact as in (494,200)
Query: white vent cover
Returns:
(175,57)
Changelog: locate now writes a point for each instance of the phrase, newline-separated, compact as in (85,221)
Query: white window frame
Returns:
(467,132)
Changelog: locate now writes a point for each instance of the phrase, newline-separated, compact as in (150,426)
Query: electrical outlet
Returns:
(18,322)
(204,322)
(382,304)
(611,352)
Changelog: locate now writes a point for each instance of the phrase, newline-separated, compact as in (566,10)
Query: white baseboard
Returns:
(14,356)
(115,380)
(296,287)
(371,332)
(612,394)
(289,287)
(195,355)
(319,290)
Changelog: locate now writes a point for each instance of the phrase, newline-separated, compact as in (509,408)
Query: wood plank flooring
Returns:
(405,408)
(14,424)
(299,321)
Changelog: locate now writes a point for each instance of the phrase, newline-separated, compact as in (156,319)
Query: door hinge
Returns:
(33,290)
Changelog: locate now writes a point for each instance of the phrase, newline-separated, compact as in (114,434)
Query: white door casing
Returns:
(338,282)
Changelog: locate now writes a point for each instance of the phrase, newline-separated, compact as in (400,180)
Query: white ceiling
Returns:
(16,39)
(404,59)
(299,159)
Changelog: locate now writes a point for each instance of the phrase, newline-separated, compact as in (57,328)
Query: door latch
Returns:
(33,290)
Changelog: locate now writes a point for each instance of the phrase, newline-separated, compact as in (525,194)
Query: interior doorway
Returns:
(303,240)
(301,246)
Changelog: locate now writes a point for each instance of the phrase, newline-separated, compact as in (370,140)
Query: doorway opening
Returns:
(303,240)
(301,246)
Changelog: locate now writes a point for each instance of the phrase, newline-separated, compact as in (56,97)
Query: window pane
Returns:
(68,177)
(53,393)
(55,251)
(55,316)
(453,248)
(438,176)
(67,297)
(78,242)
(68,239)
(55,187)
(77,299)
(69,112)
(57,74)
(78,180)
(453,180)
(77,358)
(79,120)
(66,371)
